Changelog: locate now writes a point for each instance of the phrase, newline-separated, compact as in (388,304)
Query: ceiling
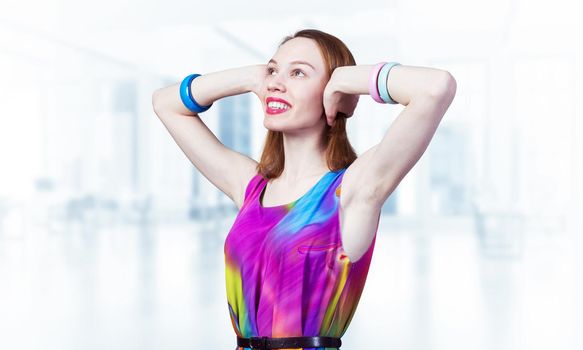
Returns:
(150,32)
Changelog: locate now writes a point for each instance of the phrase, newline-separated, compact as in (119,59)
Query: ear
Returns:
(325,119)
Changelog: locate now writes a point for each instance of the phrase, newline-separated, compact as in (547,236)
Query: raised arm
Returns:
(426,94)
(227,169)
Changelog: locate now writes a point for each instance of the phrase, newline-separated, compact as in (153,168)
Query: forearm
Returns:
(404,82)
(208,88)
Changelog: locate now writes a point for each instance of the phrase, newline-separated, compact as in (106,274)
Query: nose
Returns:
(275,82)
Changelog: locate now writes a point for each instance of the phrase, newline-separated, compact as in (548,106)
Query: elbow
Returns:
(450,85)
(155,100)
(444,88)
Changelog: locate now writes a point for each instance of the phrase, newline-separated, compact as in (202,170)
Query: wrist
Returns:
(253,77)
(353,79)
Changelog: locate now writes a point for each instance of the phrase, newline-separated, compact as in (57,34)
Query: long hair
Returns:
(339,151)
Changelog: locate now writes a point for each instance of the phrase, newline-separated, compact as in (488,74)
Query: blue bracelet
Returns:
(382,82)
(186,95)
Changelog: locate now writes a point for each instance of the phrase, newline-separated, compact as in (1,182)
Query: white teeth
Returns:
(277,105)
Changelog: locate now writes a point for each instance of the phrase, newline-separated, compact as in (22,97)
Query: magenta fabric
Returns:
(285,268)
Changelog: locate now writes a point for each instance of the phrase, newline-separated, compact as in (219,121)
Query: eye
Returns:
(271,70)
(297,70)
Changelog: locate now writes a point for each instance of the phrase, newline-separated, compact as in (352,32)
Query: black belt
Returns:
(288,343)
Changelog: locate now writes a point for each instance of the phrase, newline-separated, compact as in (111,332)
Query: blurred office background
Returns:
(111,239)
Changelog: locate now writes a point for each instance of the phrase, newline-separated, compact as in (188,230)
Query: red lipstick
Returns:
(269,110)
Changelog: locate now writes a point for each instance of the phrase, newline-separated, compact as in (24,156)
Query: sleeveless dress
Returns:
(285,268)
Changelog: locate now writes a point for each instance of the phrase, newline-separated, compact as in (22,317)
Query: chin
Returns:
(273,125)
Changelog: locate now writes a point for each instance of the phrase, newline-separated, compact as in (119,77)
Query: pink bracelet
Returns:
(372,82)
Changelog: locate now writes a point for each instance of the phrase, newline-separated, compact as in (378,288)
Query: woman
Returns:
(298,253)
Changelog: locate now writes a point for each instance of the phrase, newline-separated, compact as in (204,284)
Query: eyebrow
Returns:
(293,62)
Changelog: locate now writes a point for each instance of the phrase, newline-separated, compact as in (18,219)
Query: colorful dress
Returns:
(285,268)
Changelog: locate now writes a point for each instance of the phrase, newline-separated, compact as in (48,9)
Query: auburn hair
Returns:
(339,151)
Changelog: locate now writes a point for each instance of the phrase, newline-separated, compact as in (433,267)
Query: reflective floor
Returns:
(155,286)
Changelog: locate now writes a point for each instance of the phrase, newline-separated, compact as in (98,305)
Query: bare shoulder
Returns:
(245,170)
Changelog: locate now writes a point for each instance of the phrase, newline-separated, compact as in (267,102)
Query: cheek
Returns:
(311,109)
(312,99)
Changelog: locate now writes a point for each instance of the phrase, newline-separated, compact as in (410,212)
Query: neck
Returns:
(305,157)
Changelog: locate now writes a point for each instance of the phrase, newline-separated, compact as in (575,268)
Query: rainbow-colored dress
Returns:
(285,268)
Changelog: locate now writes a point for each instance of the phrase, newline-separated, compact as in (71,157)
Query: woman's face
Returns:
(299,85)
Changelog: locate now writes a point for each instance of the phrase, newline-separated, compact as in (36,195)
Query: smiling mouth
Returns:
(281,108)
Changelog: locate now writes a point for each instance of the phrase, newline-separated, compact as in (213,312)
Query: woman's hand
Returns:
(335,101)
(256,76)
